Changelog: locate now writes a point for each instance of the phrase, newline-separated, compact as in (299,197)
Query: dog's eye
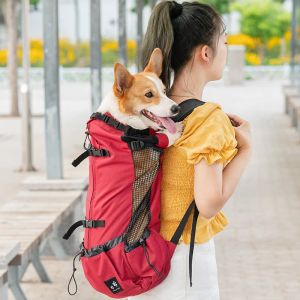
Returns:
(149,94)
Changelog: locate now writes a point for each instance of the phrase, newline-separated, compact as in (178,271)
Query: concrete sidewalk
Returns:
(257,254)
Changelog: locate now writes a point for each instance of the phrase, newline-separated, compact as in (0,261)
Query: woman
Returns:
(192,38)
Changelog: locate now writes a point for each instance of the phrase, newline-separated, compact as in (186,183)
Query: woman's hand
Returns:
(242,131)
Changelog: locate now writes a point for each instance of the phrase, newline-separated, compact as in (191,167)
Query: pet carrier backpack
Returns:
(123,253)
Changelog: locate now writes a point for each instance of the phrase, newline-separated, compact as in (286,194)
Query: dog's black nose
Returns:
(175,109)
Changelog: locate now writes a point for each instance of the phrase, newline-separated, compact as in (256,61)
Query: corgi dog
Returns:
(140,100)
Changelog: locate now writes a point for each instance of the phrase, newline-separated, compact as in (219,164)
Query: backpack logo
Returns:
(113,285)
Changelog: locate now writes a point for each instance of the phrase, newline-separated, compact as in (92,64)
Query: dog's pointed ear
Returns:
(155,62)
(123,79)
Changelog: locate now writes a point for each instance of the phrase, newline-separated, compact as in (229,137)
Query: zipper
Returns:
(91,200)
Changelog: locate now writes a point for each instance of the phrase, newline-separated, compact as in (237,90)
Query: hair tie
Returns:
(176,9)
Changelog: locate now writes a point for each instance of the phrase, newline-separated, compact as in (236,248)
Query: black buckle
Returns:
(99,152)
(93,116)
(116,124)
(89,224)
(106,118)
(137,145)
(119,125)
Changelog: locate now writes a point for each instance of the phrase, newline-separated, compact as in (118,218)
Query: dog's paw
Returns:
(173,136)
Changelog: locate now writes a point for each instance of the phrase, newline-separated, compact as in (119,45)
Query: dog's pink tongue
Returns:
(168,123)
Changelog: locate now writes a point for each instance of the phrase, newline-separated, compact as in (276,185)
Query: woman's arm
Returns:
(213,186)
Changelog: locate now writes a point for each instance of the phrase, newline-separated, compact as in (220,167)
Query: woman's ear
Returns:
(203,53)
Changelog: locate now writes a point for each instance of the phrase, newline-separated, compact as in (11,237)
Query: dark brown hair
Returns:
(177,29)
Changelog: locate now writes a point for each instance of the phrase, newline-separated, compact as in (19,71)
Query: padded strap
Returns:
(85,224)
(186,108)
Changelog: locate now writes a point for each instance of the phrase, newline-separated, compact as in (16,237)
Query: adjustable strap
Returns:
(192,242)
(179,231)
(85,224)
(108,120)
(90,152)
(180,228)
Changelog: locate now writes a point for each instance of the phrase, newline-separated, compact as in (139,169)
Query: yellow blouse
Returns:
(209,134)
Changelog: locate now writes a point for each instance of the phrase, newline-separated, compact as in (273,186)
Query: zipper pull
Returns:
(142,241)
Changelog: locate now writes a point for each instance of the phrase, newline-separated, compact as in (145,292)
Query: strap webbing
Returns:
(89,152)
(180,228)
(108,120)
(192,242)
(85,224)
(179,231)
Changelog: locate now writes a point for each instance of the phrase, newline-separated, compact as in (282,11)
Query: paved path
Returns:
(258,254)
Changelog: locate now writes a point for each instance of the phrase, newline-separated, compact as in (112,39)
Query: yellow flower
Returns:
(36,44)
(287,36)
(279,60)
(253,59)
(131,44)
(3,57)
(273,42)
(19,55)
(36,57)
(109,45)
(242,39)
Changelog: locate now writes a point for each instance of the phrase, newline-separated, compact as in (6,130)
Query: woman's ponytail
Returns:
(159,34)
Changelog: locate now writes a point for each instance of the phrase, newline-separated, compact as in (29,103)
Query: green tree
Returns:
(262,20)
(34,3)
(222,6)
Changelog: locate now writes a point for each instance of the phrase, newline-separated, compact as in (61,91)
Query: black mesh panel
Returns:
(146,164)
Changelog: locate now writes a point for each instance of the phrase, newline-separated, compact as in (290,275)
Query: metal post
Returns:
(12,61)
(25,95)
(297,76)
(51,77)
(122,33)
(139,37)
(293,44)
(96,58)
(77,22)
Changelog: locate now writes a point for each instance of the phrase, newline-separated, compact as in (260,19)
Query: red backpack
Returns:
(123,253)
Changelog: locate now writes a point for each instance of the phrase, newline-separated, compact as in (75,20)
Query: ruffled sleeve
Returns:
(209,134)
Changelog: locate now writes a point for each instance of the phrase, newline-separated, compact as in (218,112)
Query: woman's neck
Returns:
(187,85)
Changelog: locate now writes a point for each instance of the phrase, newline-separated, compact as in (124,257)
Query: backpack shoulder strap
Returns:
(186,108)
